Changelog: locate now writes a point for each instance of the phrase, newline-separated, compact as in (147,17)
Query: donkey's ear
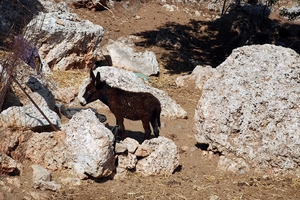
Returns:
(98,80)
(92,75)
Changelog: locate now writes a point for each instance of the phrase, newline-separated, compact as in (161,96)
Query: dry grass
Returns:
(69,78)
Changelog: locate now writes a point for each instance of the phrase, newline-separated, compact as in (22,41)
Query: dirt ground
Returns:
(198,176)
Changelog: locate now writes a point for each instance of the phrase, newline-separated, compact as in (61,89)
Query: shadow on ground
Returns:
(211,42)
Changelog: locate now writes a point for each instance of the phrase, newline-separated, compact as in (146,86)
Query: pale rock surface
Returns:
(143,150)
(84,146)
(28,117)
(71,181)
(131,144)
(90,145)
(48,150)
(123,56)
(64,41)
(42,179)
(120,147)
(163,160)
(127,80)
(66,95)
(198,76)
(127,161)
(14,181)
(249,109)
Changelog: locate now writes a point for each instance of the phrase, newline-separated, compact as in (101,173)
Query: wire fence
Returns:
(14,16)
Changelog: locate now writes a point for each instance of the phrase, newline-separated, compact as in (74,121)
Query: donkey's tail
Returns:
(158,111)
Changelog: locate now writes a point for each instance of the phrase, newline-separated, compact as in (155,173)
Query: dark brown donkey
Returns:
(124,104)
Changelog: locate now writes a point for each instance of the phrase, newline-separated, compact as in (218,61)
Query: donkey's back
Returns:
(134,105)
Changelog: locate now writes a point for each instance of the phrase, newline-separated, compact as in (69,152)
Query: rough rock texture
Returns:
(85,146)
(163,160)
(127,80)
(64,41)
(27,117)
(48,150)
(123,56)
(199,76)
(13,142)
(9,165)
(42,179)
(249,110)
(90,145)
(157,156)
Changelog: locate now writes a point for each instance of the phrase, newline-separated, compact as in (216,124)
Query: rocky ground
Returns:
(192,40)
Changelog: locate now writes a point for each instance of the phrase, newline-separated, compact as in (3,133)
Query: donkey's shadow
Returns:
(136,135)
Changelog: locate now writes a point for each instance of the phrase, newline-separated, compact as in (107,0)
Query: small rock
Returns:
(42,179)
(71,181)
(46,185)
(266,177)
(137,17)
(184,148)
(120,147)
(143,151)
(214,197)
(131,144)
(127,161)
(40,173)
(60,22)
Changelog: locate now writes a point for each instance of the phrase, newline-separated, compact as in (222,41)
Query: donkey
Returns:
(125,104)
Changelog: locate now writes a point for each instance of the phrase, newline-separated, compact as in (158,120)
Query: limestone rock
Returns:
(42,179)
(163,160)
(28,117)
(90,145)
(64,41)
(123,56)
(198,76)
(131,144)
(250,108)
(143,150)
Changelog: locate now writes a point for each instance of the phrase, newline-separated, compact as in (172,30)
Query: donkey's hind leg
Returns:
(147,129)
(121,128)
(155,127)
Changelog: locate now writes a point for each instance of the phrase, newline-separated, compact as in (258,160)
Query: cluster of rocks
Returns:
(157,156)
(84,147)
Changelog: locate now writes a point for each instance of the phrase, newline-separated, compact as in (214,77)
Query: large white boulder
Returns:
(124,56)
(64,41)
(84,146)
(90,145)
(249,110)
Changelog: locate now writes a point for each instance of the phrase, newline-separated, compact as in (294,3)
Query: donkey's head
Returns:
(91,91)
